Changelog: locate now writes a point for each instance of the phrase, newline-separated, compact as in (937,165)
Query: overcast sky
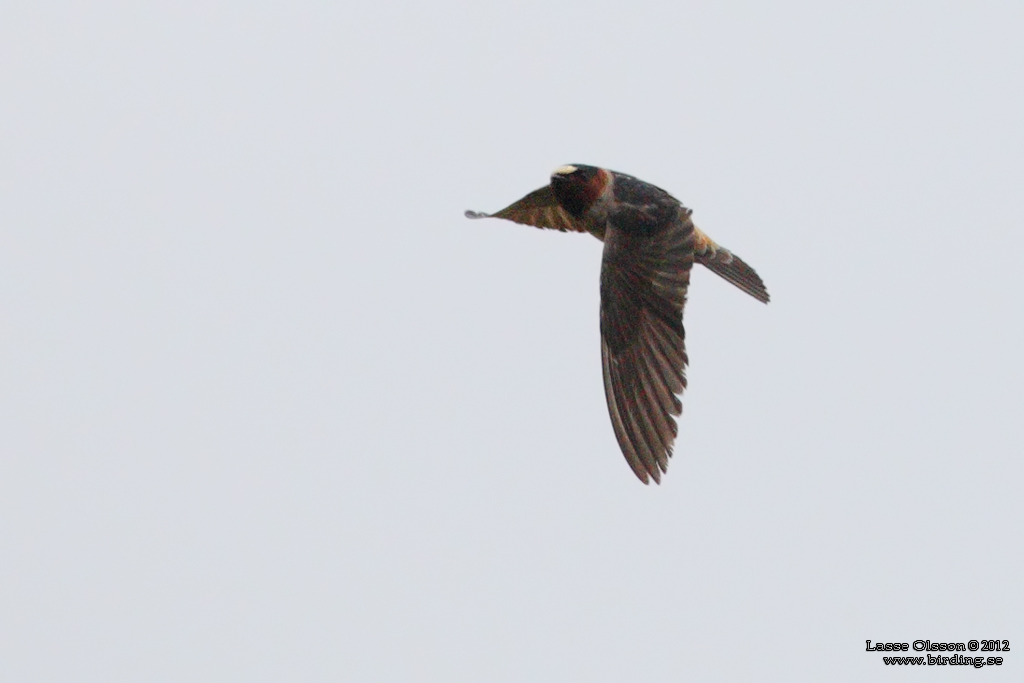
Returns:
(272,409)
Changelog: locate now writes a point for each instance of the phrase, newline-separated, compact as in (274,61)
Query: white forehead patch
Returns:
(565,170)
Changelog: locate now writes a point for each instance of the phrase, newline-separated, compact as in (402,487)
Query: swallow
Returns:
(650,245)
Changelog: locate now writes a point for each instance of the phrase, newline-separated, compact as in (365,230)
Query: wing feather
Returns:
(644,278)
(539,209)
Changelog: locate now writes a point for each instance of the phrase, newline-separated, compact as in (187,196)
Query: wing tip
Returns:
(647,475)
(640,473)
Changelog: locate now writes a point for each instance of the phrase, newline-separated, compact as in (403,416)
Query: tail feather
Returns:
(729,266)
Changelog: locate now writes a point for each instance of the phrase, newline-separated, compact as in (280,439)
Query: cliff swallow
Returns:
(650,244)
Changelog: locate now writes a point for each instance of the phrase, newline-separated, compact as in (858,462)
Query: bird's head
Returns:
(577,187)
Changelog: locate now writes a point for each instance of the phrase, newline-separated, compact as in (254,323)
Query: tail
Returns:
(728,266)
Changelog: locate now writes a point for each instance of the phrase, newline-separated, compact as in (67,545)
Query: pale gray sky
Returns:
(272,409)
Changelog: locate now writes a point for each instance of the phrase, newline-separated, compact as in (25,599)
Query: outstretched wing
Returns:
(729,266)
(644,278)
(540,209)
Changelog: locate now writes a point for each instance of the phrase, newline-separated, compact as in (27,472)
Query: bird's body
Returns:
(650,245)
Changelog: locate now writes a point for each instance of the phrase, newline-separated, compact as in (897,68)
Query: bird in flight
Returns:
(650,244)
